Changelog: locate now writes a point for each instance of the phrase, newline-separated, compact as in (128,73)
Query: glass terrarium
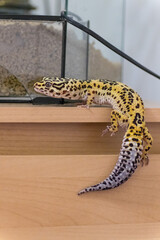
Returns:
(37,46)
(32,47)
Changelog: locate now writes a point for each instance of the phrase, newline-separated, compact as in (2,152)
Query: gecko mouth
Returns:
(43,91)
(38,90)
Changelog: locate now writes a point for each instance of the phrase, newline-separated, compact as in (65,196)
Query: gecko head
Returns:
(53,87)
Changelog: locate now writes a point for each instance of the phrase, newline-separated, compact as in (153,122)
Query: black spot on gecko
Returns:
(131,144)
(88,80)
(104,87)
(135,139)
(131,90)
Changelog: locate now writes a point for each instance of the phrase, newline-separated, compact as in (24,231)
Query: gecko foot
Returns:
(105,131)
(83,106)
(145,161)
(108,129)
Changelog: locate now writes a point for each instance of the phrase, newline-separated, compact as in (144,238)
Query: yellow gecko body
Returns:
(128,110)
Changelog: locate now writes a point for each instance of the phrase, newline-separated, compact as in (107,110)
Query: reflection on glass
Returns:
(106,19)
(102,67)
(76,52)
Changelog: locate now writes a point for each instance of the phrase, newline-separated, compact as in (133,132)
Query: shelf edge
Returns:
(26,113)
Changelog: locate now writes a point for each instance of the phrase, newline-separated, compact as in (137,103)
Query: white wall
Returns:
(142,42)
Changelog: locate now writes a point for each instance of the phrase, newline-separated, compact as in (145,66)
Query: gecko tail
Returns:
(97,187)
(128,161)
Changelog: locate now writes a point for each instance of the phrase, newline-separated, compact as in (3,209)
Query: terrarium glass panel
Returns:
(29,50)
(106,18)
(101,63)
(76,52)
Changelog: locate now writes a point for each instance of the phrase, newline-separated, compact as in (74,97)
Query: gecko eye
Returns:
(48,84)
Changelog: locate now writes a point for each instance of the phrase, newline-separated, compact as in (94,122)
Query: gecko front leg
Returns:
(89,101)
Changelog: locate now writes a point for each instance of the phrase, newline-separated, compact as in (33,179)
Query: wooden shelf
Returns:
(49,153)
(64,139)
(141,231)
(27,113)
(41,191)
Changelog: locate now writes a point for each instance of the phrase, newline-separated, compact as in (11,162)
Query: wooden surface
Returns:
(41,191)
(26,113)
(143,231)
(50,153)
(61,138)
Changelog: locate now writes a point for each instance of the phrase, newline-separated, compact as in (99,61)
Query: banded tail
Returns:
(128,161)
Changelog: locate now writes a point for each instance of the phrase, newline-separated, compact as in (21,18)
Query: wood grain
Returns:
(49,153)
(27,113)
(61,138)
(41,191)
(150,231)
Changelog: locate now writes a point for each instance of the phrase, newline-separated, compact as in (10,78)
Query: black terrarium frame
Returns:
(60,19)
